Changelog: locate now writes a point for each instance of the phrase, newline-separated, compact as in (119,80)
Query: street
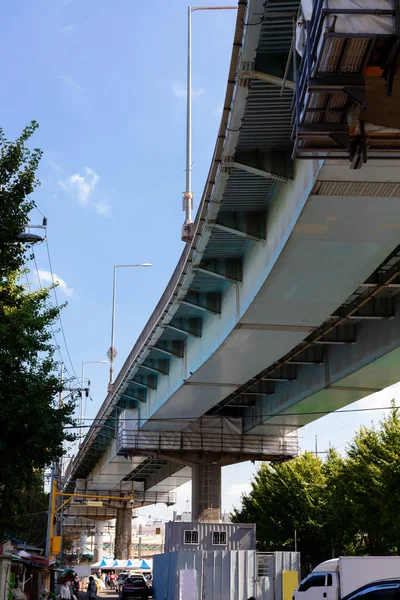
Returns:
(106,594)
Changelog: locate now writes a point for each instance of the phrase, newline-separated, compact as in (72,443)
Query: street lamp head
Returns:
(146,265)
(30,238)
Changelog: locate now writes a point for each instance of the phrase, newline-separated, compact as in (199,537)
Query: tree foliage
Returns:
(31,423)
(342,505)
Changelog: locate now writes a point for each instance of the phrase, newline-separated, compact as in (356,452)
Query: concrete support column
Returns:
(206,492)
(98,541)
(83,543)
(123,534)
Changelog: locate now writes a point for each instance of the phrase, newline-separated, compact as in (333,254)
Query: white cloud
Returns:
(103,208)
(67,29)
(81,186)
(70,82)
(46,278)
(179,90)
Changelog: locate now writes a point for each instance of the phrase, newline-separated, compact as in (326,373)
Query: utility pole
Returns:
(60,396)
(316,446)
(55,475)
(295,540)
(50,517)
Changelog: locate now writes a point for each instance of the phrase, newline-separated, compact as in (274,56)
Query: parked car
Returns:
(135,587)
(385,589)
(121,578)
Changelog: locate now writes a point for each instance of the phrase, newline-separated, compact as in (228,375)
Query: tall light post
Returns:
(82,410)
(188,225)
(112,353)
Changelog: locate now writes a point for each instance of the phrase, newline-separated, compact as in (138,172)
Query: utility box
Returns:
(192,536)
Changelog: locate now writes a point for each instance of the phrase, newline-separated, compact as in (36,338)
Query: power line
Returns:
(102,420)
(59,314)
(51,325)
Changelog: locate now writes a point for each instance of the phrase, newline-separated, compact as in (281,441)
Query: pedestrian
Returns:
(106,580)
(91,589)
(65,590)
(76,584)
(44,594)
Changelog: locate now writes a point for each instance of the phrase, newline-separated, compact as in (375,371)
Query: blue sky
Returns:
(106,82)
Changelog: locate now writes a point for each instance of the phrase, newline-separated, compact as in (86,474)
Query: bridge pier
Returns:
(98,541)
(123,534)
(83,542)
(206,491)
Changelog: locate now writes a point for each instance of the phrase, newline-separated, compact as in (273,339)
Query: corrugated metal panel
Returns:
(285,561)
(208,284)
(267,118)
(246,192)
(357,188)
(221,575)
(238,536)
(218,575)
(277,28)
(223,244)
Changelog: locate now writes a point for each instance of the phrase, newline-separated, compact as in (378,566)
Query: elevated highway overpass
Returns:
(283,306)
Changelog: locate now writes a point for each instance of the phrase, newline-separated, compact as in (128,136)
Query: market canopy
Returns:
(134,563)
(104,562)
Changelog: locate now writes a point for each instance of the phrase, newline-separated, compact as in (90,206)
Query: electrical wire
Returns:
(38,209)
(51,325)
(57,304)
(103,420)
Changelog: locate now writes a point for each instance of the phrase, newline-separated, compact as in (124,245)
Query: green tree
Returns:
(31,424)
(341,506)
(288,497)
(339,519)
(372,480)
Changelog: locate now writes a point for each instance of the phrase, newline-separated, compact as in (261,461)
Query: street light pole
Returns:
(112,353)
(188,226)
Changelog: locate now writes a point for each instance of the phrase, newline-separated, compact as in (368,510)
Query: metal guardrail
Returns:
(209,442)
(167,498)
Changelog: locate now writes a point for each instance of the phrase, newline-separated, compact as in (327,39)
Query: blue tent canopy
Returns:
(129,563)
(144,565)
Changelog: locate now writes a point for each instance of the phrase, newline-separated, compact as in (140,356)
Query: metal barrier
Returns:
(211,441)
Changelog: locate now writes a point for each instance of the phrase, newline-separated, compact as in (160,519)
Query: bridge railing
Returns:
(167,498)
(211,442)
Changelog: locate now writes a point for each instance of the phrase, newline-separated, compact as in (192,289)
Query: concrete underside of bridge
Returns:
(278,310)
(334,241)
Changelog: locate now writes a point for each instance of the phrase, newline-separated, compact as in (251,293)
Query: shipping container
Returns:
(193,536)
